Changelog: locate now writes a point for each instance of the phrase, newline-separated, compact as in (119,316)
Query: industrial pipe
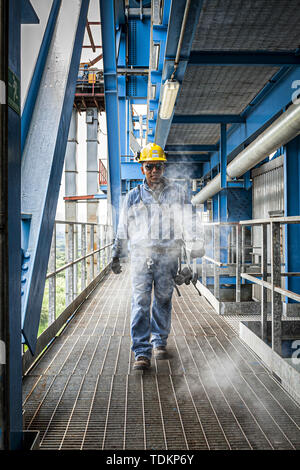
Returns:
(281,131)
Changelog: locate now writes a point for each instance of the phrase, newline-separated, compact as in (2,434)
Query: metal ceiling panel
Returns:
(194,133)
(232,25)
(220,90)
(270,25)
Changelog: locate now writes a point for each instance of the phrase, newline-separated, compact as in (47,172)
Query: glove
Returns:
(185,276)
(115,266)
(197,250)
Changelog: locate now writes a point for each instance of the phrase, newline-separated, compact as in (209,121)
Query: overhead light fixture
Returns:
(170,90)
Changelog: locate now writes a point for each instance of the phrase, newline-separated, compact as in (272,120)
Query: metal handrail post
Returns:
(204,272)
(52,280)
(276,304)
(98,247)
(83,253)
(70,258)
(92,239)
(264,271)
(75,267)
(217,258)
(102,243)
(238,263)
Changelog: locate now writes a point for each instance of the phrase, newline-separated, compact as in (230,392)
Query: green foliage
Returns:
(60,282)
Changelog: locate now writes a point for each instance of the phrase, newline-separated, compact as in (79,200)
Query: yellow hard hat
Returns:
(152,153)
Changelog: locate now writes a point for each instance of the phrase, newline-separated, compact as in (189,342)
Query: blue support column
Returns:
(223,156)
(222,206)
(11,421)
(292,208)
(14,238)
(215,208)
(111,104)
(128,117)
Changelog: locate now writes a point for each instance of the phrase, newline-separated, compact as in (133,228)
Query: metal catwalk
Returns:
(213,392)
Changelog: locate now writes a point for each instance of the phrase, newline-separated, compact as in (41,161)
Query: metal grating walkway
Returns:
(213,393)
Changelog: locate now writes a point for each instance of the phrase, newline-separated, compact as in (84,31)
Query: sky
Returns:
(31,37)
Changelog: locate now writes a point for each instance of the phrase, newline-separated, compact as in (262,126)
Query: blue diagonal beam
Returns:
(44,153)
(111,103)
(174,28)
(38,72)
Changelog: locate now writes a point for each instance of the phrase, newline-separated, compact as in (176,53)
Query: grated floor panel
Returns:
(212,393)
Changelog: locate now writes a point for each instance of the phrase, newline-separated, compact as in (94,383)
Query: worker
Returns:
(152,221)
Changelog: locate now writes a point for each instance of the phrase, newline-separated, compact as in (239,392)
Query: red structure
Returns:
(102,174)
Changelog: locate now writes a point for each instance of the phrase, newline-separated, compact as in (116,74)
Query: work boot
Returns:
(141,363)
(160,353)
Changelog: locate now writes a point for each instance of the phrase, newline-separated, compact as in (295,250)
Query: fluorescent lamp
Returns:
(170,90)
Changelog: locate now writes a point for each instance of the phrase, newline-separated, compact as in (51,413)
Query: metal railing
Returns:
(240,259)
(79,257)
(274,286)
(230,254)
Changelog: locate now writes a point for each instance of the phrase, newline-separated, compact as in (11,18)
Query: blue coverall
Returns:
(154,225)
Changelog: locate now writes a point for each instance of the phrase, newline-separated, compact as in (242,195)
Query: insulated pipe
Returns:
(281,131)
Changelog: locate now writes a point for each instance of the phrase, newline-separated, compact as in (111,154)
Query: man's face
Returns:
(153,172)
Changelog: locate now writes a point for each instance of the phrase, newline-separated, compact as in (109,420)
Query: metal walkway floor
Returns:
(213,392)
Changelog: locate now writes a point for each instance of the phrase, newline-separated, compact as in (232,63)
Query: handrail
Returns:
(68,292)
(68,265)
(268,275)
(268,285)
(282,220)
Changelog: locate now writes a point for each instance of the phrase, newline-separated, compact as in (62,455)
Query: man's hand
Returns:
(197,250)
(115,266)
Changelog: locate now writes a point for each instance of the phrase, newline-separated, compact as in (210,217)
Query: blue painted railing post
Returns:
(38,72)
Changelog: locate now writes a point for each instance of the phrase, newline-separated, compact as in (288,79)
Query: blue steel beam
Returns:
(38,72)
(13,13)
(11,248)
(207,118)
(28,14)
(240,58)
(162,128)
(223,156)
(111,104)
(44,153)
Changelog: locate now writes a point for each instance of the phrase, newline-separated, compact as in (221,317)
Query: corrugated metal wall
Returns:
(268,196)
